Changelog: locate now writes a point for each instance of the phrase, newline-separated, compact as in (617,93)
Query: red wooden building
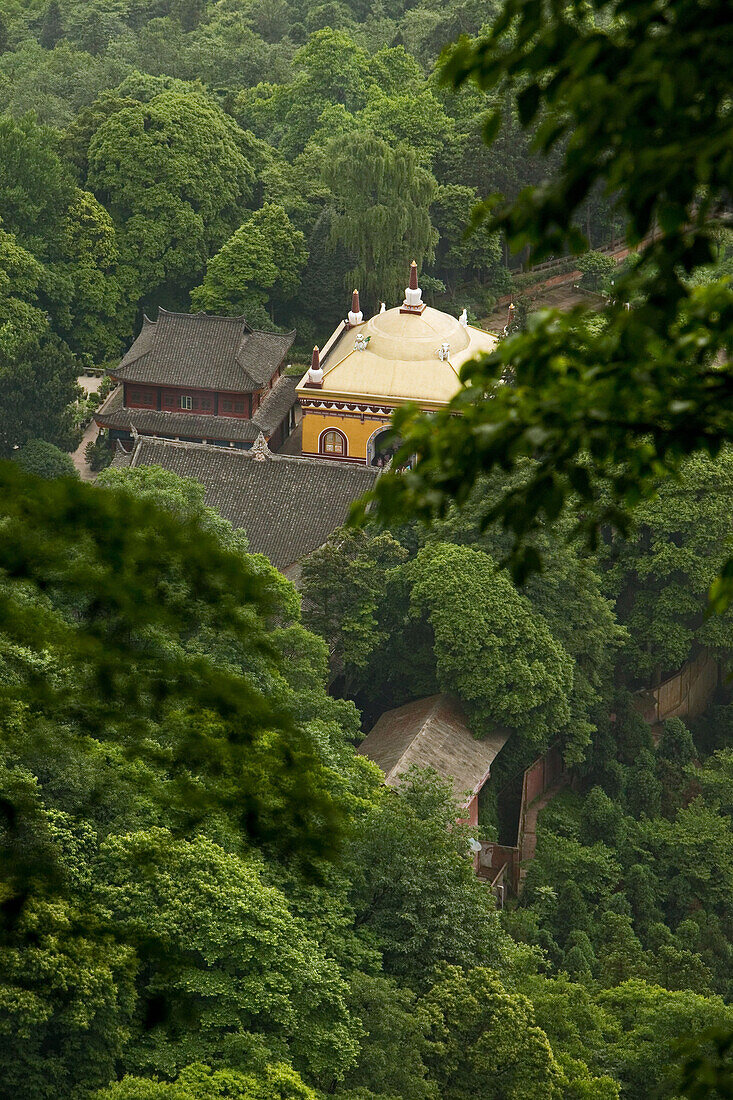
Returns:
(202,379)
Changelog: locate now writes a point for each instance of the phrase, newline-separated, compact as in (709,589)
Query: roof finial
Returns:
(463,319)
(413,302)
(382,307)
(315,374)
(355,314)
(259,449)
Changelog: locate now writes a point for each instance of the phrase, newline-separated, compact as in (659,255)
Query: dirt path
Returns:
(90,383)
(85,471)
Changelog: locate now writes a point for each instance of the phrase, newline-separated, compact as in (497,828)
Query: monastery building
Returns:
(410,354)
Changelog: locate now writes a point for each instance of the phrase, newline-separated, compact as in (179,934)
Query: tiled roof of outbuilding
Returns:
(287,506)
(203,352)
(433,733)
(173,425)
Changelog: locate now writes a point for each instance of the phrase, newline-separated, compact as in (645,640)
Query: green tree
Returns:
(381,212)
(598,270)
(675,753)
(36,189)
(222,961)
(94,322)
(661,573)
(276,1081)
(391,1060)
(52,28)
(601,818)
(480,253)
(44,460)
(643,789)
(259,265)
(218,727)
(175,175)
(66,1006)
(486,1041)
(490,649)
(336,69)
(406,859)
(343,587)
(715,778)
(620,953)
(414,118)
(37,386)
(188,12)
(651,1021)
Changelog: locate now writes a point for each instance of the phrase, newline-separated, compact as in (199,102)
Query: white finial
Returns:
(443,352)
(355,314)
(463,319)
(382,307)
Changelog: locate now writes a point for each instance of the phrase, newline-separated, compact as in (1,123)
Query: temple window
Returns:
(185,402)
(333,442)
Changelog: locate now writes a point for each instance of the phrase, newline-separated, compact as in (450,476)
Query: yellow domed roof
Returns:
(396,357)
(414,338)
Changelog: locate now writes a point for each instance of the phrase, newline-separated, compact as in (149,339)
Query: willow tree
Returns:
(382,203)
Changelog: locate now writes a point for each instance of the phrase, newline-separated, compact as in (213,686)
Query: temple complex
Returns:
(410,354)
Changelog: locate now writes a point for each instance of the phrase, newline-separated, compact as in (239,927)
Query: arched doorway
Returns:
(379,452)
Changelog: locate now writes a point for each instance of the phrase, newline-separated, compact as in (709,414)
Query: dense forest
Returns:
(206,893)
(228,157)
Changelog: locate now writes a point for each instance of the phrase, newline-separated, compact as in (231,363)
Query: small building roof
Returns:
(199,351)
(287,506)
(433,733)
(401,360)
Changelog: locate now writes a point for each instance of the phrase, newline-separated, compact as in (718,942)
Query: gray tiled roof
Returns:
(113,414)
(203,352)
(276,405)
(287,506)
(433,733)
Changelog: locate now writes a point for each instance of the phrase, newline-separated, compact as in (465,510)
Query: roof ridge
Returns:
(247,452)
(202,314)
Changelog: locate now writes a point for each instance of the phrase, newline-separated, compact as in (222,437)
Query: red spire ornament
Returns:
(355,314)
(315,374)
(413,302)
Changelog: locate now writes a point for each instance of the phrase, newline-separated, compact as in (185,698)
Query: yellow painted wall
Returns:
(357,431)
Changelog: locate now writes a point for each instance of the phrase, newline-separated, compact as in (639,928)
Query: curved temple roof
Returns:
(199,351)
